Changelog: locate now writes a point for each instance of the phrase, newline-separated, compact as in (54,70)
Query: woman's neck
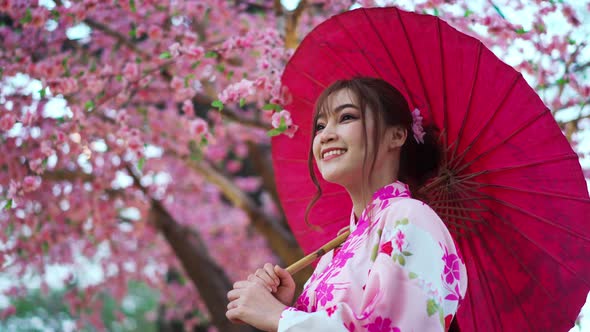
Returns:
(361,197)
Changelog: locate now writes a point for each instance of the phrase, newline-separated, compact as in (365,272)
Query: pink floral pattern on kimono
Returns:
(399,270)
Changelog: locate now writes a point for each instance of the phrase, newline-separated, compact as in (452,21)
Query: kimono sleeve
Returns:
(415,282)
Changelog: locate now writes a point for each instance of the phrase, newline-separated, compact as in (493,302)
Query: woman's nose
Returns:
(327,135)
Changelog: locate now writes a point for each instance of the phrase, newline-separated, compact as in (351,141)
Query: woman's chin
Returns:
(338,178)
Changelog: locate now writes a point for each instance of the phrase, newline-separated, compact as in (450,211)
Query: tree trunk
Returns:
(210,280)
(278,237)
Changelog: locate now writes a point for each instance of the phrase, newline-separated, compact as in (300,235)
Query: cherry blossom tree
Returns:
(147,135)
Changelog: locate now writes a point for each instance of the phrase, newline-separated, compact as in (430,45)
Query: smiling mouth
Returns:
(332,154)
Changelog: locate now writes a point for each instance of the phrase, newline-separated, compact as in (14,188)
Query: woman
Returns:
(399,270)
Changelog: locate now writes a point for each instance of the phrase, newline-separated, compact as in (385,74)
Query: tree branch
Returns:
(231,114)
(118,36)
(209,278)
(263,165)
(280,239)
(61,175)
(291,39)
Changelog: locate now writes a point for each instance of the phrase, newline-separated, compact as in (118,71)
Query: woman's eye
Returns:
(347,117)
(319,127)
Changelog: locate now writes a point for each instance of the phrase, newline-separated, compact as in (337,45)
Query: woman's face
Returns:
(339,145)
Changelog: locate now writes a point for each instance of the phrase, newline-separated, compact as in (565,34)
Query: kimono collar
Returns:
(392,190)
(381,198)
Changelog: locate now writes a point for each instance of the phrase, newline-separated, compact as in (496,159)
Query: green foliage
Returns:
(217,104)
(8,205)
(27,18)
(165,55)
(89,105)
(133,32)
(277,131)
(132,6)
(211,54)
(52,311)
(272,107)
(140,163)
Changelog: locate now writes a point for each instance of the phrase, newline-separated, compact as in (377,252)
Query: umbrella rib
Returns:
(391,58)
(505,279)
(447,208)
(469,103)
(513,253)
(452,200)
(311,78)
(461,208)
(511,225)
(445,195)
(488,122)
(449,214)
(421,79)
(484,284)
(565,157)
(506,283)
(518,131)
(465,212)
(358,47)
(516,208)
(444,92)
(543,193)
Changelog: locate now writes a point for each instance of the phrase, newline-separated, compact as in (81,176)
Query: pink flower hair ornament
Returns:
(417,126)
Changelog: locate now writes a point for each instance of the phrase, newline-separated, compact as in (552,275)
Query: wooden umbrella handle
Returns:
(305,261)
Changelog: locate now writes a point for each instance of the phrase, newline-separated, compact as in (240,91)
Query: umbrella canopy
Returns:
(510,189)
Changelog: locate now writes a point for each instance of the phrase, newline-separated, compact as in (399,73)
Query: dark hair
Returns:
(418,161)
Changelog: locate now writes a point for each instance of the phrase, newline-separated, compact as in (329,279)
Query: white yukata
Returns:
(399,270)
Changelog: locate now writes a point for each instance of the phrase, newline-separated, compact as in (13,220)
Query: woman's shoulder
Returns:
(410,211)
(406,206)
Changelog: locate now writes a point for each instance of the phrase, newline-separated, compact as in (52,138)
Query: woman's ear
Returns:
(396,137)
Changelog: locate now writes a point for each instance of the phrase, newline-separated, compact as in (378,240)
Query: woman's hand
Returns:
(277,280)
(253,304)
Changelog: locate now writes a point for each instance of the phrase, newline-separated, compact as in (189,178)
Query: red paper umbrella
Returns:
(511,189)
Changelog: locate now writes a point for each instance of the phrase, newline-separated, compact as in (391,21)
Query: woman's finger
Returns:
(234,315)
(232,304)
(234,294)
(241,284)
(262,278)
(254,279)
(262,274)
(269,269)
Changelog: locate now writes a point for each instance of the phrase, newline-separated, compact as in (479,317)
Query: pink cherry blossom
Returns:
(198,127)
(7,121)
(7,312)
(154,32)
(194,52)
(285,115)
(131,71)
(187,107)
(234,92)
(174,49)
(63,86)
